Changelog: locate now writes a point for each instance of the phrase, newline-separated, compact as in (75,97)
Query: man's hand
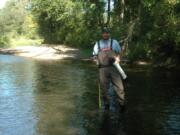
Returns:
(94,58)
(117,59)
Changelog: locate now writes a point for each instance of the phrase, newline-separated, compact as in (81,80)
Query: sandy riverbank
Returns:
(44,52)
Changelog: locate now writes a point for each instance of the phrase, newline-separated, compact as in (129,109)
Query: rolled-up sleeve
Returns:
(95,49)
(116,46)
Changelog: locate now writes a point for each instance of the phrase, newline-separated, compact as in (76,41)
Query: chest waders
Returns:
(107,73)
(103,61)
(105,55)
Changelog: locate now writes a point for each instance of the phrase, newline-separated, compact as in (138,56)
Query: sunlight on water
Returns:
(16,98)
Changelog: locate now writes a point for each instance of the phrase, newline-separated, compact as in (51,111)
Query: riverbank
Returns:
(43,52)
(59,52)
(56,52)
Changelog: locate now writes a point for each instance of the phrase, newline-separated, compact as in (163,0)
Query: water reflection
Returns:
(61,98)
(59,87)
(148,98)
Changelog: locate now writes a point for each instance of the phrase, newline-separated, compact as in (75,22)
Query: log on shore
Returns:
(11,51)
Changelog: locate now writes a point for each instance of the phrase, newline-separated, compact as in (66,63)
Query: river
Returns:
(61,98)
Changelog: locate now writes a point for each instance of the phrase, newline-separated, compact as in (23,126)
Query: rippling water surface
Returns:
(61,98)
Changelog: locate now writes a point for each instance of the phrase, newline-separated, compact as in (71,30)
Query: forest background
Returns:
(146,29)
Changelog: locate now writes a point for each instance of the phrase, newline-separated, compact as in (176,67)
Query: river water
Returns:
(61,98)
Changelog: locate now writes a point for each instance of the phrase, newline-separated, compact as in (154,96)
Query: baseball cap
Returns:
(105,30)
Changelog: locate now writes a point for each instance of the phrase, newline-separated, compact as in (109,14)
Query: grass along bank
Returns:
(23,41)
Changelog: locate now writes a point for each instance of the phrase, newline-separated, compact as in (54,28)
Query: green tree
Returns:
(16,20)
(149,28)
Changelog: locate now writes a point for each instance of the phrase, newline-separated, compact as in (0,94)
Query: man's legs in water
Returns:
(118,87)
(104,82)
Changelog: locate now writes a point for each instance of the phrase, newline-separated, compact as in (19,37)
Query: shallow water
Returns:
(61,98)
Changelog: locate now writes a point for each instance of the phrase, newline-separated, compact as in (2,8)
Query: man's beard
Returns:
(107,38)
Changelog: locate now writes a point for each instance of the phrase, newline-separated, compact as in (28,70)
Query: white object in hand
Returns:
(121,71)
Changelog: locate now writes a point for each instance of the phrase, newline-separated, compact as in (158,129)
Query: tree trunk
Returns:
(108,12)
(122,10)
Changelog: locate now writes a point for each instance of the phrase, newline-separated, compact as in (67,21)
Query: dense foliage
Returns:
(16,22)
(147,29)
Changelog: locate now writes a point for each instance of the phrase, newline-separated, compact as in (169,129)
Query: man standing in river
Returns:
(107,51)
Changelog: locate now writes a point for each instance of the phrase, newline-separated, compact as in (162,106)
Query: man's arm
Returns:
(95,52)
(117,49)
(117,60)
(95,49)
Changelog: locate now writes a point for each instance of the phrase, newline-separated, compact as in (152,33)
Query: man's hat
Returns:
(105,30)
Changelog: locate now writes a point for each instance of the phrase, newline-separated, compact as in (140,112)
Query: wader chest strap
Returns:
(99,48)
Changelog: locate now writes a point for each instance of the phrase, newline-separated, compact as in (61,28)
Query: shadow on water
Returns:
(111,124)
(61,98)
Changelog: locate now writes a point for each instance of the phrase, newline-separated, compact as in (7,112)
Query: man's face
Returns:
(105,35)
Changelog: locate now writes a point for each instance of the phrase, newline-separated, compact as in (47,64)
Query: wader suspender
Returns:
(99,48)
